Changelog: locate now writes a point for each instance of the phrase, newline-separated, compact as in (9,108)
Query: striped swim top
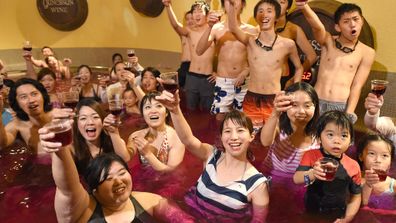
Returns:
(223,203)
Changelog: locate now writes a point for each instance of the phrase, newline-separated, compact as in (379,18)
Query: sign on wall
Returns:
(64,15)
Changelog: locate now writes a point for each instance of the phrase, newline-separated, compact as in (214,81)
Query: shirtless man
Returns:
(199,87)
(30,101)
(345,61)
(232,67)
(185,52)
(267,52)
(292,31)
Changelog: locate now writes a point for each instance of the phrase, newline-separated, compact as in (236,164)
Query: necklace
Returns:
(261,45)
(344,48)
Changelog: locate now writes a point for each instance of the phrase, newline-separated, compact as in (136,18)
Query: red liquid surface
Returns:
(330,171)
(116,112)
(70,104)
(27,48)
(1,86)
(301,0)
(381,174)
(128,68)
(131,54)
(171,87)
(65,137)
(379,90)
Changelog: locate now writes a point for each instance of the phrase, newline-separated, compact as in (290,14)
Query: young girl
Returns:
(229,187)
(329,198)
(375,153)
(296,111)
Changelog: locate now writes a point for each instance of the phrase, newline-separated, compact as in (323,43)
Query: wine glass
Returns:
(170,81)
(378,87)
(70,99)
(115,107)
(27,46)
(130,52)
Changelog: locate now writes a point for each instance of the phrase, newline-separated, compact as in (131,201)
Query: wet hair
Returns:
(98,169)
(344,8)
(84,66)
(238,118)
(153,70)
(46,47)
(200,4)
(12,97)
(44,72)
(289,4)
(373,137)
(148,98)
(116,55)
(82,155)
(274,3)
(284,121)
(9,83)
(339,118)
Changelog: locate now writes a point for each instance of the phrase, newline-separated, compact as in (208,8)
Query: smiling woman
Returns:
(90,136)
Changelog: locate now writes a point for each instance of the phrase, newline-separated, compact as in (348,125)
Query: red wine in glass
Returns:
(27,48)
(330,172)
(1,86)
(171,87)
(131,54)
(378,90)
(62,135)
(381,174)
(116,111)
(128,69)
(70,104)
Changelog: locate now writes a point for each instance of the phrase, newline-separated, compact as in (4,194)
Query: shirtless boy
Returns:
(345,61)
(232,67)
(185,57)
(267,52)
(30,101)
(198,86)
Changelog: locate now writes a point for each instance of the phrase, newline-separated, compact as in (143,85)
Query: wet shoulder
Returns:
(249,28)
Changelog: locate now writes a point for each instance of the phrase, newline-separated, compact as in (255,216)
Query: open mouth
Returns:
(91,132)
(33,107)
(336,150)
(154,117)
(354,32)
(119,190)
(235,145)
(265,21)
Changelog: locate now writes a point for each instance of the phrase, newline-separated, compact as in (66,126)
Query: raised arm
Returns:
(208,36)
(183,130)
(295,59)
(307,49)
(373,106)
(317,26)
(118,143)
(269,130)
(360,79)
(71,199)
(233,25)
(177,26)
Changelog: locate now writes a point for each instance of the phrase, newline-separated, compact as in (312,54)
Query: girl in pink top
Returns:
(288,131)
